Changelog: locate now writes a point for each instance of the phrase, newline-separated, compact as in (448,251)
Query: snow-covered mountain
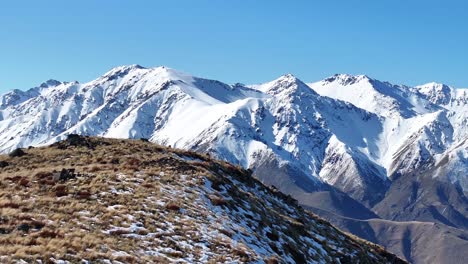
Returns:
(422,146)
(356,136)
(283,120)
(352,139)
(396,129)
(420,123)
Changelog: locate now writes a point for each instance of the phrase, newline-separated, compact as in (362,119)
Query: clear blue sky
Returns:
(403,41)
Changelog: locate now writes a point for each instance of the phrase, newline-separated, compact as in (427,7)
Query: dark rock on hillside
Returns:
(3,164)
(75,140)
(17,153)
(64,175)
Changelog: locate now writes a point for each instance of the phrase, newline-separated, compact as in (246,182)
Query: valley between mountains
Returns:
(385,162)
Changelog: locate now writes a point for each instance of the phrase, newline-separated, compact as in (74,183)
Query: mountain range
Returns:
(386,162)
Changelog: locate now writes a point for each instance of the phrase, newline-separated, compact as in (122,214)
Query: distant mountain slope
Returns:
(417,242)
(106,200)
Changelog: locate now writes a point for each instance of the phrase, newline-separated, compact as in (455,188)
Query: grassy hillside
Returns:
(131,201)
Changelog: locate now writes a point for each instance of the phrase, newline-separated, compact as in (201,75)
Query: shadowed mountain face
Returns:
(417,242)
(349,145)
(423,197)
(132,201)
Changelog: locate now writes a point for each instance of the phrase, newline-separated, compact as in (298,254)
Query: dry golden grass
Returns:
(42,217)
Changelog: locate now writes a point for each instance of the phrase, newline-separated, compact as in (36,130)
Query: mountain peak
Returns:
(161,72)
(437,93)
(120,71)
(288,79)
(169,71)
(434,86)
(50,83)
(287,84)
(288,76)
(347,79)
(127,67)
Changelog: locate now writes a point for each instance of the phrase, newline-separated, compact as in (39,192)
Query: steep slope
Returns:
(95,199)
(436,194)
(418,123)
(422,145)
(308,124)
(455,101)
(454,160)
(411,123)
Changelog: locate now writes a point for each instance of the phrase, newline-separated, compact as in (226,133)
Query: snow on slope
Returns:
(453,164)
(455,101)
(15,97)
(375,96)
(419,124)
(422,146)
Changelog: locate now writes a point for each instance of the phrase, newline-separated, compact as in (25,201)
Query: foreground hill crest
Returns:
(99,199)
